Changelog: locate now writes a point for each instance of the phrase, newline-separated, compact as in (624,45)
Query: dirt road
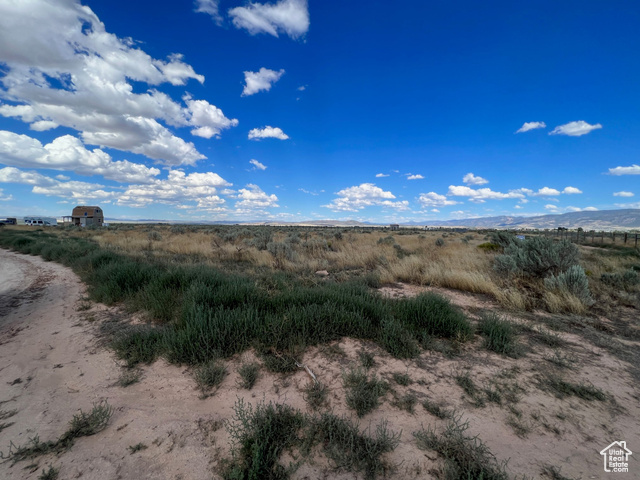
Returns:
(51,366)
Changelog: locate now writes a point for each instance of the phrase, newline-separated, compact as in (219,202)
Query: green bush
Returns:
(573,281)
(499,335)
(537,257)
(363,394)
(621,281)
(259,437)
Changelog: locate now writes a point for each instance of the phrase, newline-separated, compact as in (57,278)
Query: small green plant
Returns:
(561,388)
(436,410)
(402,379)
(315,394)
(259,436)
(137,447)
(363,394)
(489,247)
(366,359)
(467,384)
(553,473)
(353,450)
(519,426)
(249,374)
(573,281)
(81,425)
(440,242)
(50,474)
(406,402)
(210,375)
(129,377)
(560,360)
(465,457)
(499,335)
(537,257)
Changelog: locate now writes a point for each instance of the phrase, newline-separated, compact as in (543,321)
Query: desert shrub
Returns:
(397,339)
(177,229)
(621,281)
(138,344)
(499,335)
(259,437)
(489,247)
(315,245)
(429,314)
(400,252)
(249,374)
(363,394)
(502,239)
(315,394)
(292,238)
(351,449)
(210,375)
(538,257)
(573,281)
(439,242)
(261,239)
(281,251)
(505,265)
(465,457)
(154,236)
(388,240)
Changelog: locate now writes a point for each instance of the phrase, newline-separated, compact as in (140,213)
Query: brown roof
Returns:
(80,211)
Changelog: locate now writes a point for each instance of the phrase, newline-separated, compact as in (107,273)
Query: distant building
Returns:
(394,226)
(84,216)
(39,221)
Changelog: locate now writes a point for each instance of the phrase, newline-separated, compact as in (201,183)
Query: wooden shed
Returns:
(84,216)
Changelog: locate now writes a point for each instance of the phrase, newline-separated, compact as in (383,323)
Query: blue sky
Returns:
(293,110)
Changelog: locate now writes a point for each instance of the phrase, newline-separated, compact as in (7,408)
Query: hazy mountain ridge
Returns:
(599,220)
(626,219)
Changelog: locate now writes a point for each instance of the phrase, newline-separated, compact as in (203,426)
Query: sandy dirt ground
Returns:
(53,364)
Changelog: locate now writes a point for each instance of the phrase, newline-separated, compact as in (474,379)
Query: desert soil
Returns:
(53,363)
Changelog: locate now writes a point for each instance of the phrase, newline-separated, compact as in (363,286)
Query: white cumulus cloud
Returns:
(286,16)
(471,179)
(210,7)
(571,190)
(263,79)
(364,195)
(381,175)
(481,194)
(547,192)
(63,68)
(267,132)
(68,153)
(623,194)
(415,177)
(531,126)
(254,198)
(433,199)
(575,129)
(632,170)
(257,165)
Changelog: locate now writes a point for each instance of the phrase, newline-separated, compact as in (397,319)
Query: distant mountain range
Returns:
(599,220)
(627,219)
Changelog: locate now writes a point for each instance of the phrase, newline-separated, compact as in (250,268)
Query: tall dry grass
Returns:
(410,257)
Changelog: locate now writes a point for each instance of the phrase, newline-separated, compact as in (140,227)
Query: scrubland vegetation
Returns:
(210,293)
